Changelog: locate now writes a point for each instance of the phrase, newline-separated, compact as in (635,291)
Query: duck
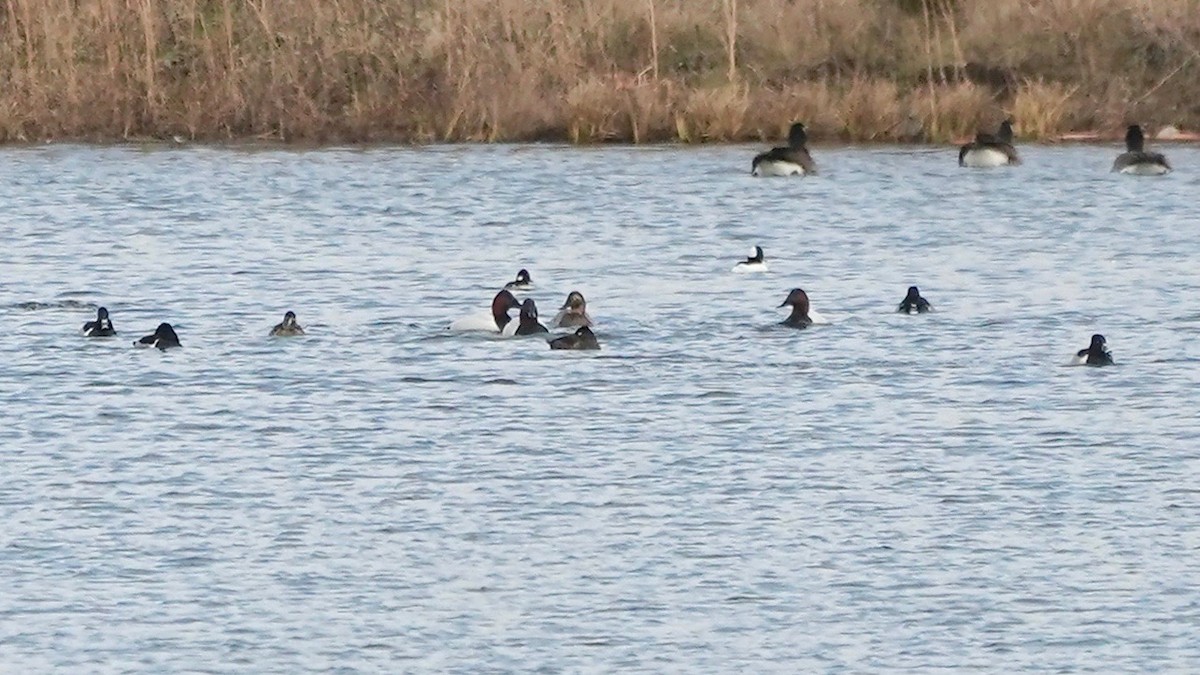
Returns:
(1135,160)
(288,326)
(1096,354)
(799,317)
(752,264)
(163,338)
(573,312)
(527,321)
(583,338)
(101,327)
(913,302)
(502,303)
(792,160)
(521,283)
(988,150)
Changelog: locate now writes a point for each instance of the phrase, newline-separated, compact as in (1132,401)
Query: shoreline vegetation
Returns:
(593,71)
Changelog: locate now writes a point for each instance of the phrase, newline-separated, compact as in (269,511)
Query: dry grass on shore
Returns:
(591,70)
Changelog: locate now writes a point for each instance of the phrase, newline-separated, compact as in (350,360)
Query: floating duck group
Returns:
(573,314)
(986,150)
(164,337)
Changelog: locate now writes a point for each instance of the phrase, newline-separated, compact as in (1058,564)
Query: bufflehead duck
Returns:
(913,302)
(1135,160)
(799,317)
(792,160)
(988,150)
(1096,354)
(528,320)
(288,327)
(583,338)
(522,282)
(754,263)
(496,323)
(573,312)
(164,338)
(101,327)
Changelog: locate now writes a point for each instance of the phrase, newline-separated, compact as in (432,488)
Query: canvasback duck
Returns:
(496,322)
(799,317)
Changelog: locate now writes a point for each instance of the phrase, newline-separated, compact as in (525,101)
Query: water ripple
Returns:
(709,492)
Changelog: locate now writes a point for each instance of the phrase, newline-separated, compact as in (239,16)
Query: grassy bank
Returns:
(591,70)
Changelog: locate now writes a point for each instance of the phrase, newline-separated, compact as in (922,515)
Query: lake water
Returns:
(709,493)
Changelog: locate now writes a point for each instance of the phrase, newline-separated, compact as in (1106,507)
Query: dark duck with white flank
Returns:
(101,327)
(1135,160)
(527,321)
(755,263)
(989,150)
(792,160)
(1096,354)
(163,338)
(913,302)
(521,283)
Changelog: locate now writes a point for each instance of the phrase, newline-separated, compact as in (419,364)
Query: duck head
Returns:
(1005,134)
(797,135)
(1135,140)
(529,313)
(575,301)
(501,304)
(797,298)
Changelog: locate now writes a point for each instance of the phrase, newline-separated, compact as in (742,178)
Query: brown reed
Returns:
(586,71)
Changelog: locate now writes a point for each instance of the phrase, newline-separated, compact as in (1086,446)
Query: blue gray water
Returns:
(708,493)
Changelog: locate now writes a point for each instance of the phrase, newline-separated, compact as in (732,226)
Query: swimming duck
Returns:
(163,338)
(101,327)
(288,327)
(522,282)
(988,150)
(1096,354)
(583,338)
(573,312)
(792,160)
(913,302)
(755,263)
(496,322)
(799,317)
(528,319)
(1135,160)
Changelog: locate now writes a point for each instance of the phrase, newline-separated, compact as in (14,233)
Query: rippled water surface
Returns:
(709,493)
